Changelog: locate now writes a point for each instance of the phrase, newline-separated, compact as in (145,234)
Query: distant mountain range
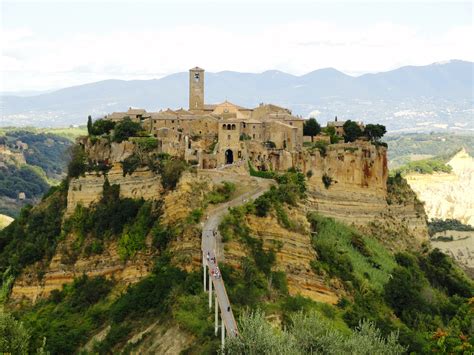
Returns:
(436,96)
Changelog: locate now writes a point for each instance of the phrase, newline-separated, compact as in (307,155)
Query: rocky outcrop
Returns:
(64,267)
(448,195)
(294,254)
(87,189)
(348,183)
(101,149)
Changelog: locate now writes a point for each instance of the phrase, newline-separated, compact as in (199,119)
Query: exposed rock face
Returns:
(450,195)
(357,192)
(103,150)
(460,247)
(61,270)
(86,190)
(294,253)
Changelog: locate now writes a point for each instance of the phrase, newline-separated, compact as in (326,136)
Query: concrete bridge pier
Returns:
(216,316)
(222,334)
(210,292)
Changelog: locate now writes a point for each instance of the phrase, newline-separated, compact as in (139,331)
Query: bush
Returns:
(262,205)
(130,164)
(14,337)
(171,170)
(221,193)
(327,181)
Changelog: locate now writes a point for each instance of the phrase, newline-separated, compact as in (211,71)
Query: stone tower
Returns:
(196,89)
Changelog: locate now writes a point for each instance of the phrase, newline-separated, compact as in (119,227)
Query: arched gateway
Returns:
(229,156)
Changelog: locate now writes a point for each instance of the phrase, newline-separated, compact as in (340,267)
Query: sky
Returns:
(55,44)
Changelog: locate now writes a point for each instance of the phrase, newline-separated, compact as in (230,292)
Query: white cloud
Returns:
(29,61)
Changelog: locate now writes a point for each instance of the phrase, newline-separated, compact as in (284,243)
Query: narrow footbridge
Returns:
(212,253)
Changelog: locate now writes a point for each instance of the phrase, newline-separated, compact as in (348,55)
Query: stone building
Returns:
(219,134)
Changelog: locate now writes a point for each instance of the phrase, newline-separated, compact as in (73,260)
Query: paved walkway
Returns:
(213,252)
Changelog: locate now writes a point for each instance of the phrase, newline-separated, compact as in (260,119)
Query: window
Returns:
(228,137)
(233,126)
(244,125)
(172,121)
(254,136)
(196,77)
(223,126)
(291,123)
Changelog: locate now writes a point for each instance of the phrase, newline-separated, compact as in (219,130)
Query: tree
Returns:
(77,165)
(374,131)
(89,125)
(102,127)
(125,129)
(311,128)
(352,131)
(14,337)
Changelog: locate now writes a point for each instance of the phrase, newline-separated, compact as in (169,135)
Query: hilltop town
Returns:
(215,135)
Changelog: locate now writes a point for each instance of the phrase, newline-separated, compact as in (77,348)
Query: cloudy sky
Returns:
(46,45)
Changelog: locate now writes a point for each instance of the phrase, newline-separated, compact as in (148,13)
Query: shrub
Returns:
(221,193)
(130,164)
(327,181)
(146,144)
(262,205)
(14,337)
(134,235)
(171,170)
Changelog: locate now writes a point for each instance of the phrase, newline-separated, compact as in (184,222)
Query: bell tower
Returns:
(196,89)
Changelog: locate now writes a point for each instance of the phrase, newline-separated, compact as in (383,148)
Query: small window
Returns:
(291,123)
(233,126)
(172,121)
(223,126)
(254,136)
(196,77)
(228,137)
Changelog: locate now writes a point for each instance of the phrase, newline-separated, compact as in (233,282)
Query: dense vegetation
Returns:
(45,156)
(417,301)
(45,150)
(34,234)
(437,225)
(425,166)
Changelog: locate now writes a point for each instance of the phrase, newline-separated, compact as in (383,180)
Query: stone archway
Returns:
(229,156)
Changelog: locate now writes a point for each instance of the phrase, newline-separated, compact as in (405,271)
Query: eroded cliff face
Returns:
(448,195)
(356,193)
(87,189)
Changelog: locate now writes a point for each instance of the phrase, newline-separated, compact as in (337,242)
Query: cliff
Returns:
(448,195)
(349,183)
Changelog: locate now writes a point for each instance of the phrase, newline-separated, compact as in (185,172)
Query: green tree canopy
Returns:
(352,131)
(311,128)
(125,129)
(374,131)
(101,127)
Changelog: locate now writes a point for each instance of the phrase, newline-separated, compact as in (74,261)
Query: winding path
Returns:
(212,250)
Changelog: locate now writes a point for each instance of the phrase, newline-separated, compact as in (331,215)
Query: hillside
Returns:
(425,98)
(110,260)
(29,163)
(404,148)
